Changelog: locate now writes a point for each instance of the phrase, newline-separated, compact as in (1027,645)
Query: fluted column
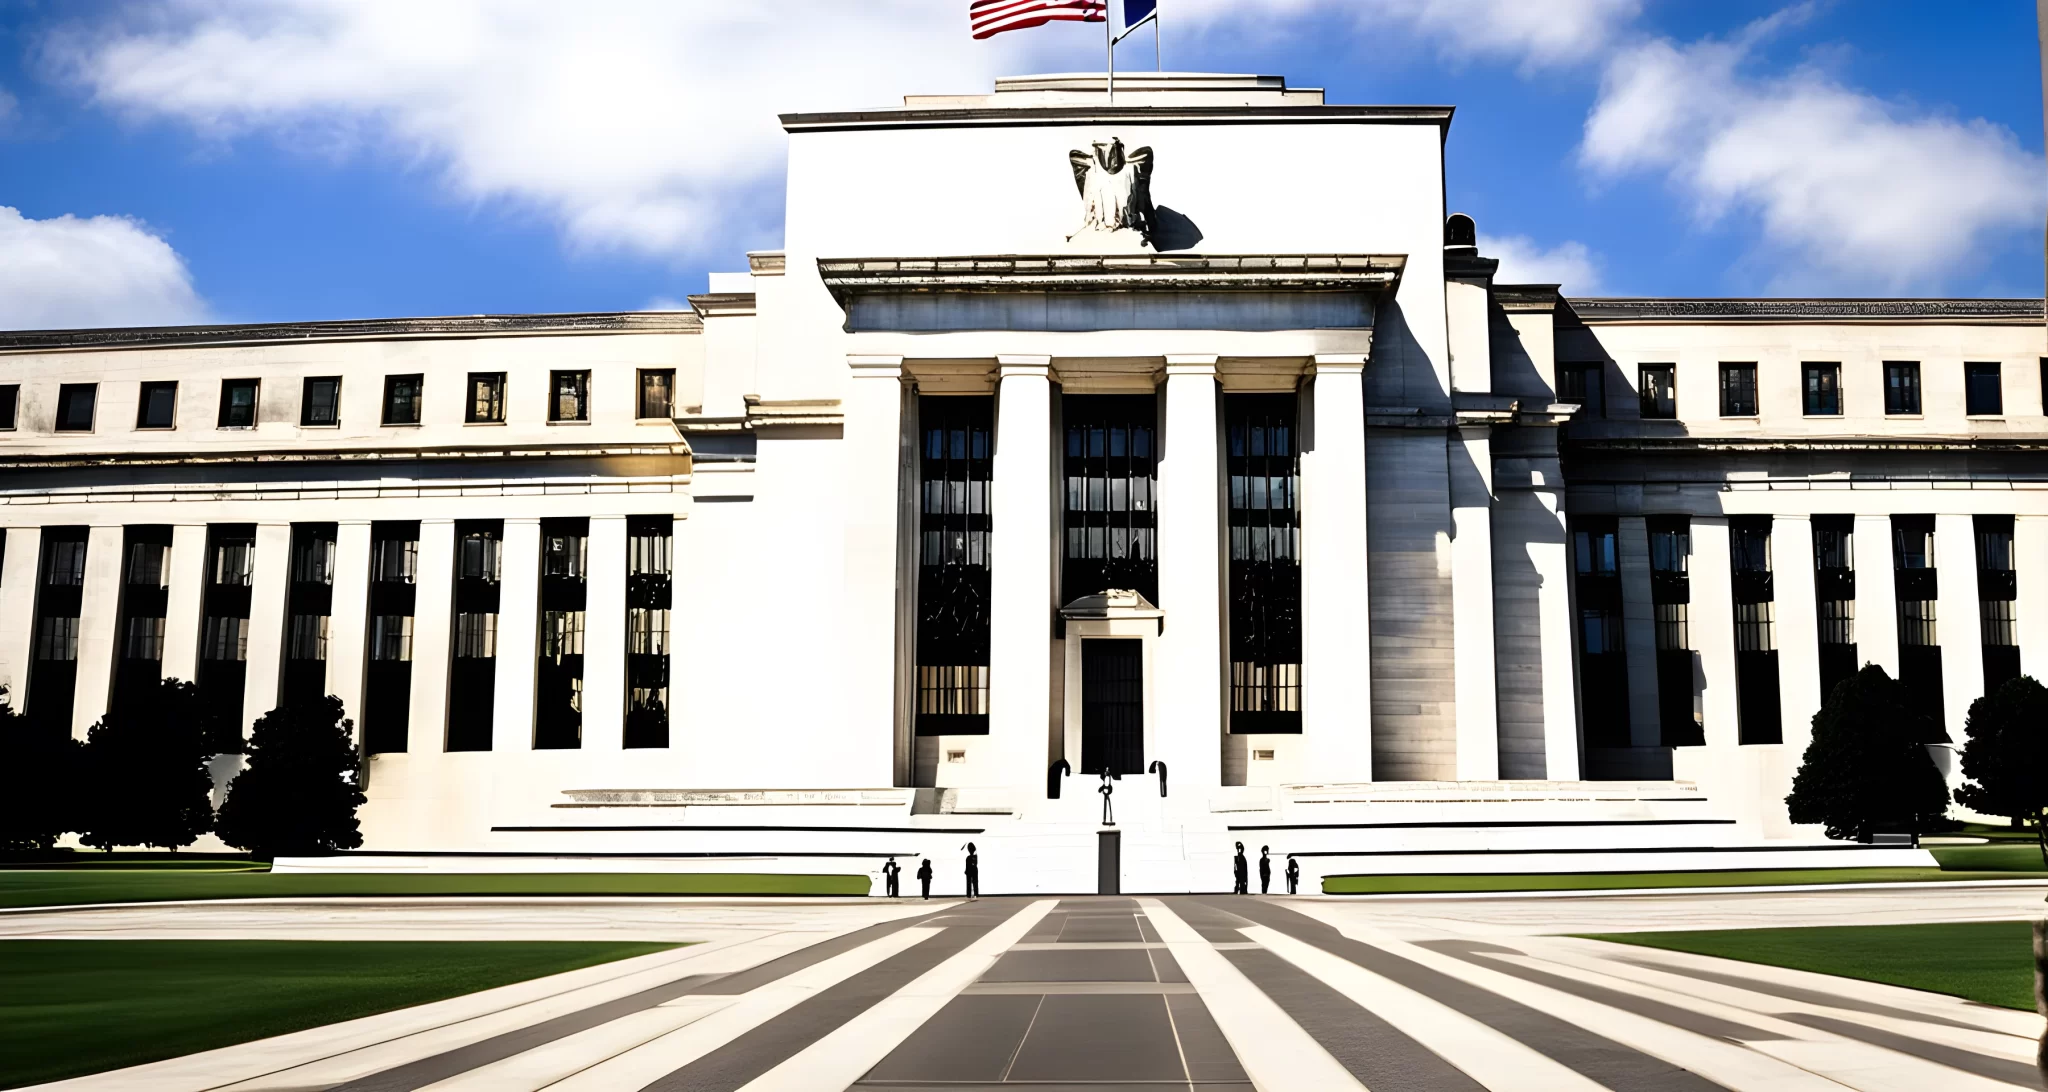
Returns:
(432,639)
(1877,607)
(1021,575)
(1958,625)
(1336,649)
(518,631)
(24,546)
(1472,592)
(1798,629)
(99,617)
(1553,563)
(2030,560)
(183,600)
(267,587)
(1712,618)
(1188,659)
(604,637)
(873,462)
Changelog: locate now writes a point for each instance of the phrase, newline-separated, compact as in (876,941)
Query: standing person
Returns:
(924,876)
(973,872)
(1293,875)
(892,878)
(1265,871)
(1240,874)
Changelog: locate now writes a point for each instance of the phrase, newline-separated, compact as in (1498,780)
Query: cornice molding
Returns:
(850,277)
(1598,311)
(385,329)
(987,116)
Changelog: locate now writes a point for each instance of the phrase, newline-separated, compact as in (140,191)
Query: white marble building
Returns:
(1187,437)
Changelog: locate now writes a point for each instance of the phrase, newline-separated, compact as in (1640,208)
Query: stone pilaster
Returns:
(604,636)
(518,632)
(1188,658)
(1021,554)
(1336,647)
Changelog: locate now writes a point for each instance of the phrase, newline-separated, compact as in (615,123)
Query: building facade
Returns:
(1186,439)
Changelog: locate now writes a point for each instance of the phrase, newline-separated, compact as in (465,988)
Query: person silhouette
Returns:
(1293,875)
(892,878)
(924,876)
(1240,877)
(973,872)
(1265,870)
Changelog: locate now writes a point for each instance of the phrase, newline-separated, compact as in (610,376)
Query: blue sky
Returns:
(268,160)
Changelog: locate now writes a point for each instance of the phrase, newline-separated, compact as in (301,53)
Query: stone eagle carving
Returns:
(1116,195)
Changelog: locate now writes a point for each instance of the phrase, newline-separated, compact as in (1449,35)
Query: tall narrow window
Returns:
(53,667)
(1678,705)
(1263,463)
(473,670)
(1917,587)
(145,588)
(1579,384)
(157,405)
(1603,659)
(1655,384)
(1902,387)
(1983,394)
(1997,588)
(394,579)
(309,604)
(402,398)
(1823,390)
(10,405)
(657,393)
(1834,590)
(1112,514)
(1738,390)
(237,403)
(570,400)
(75,402)
(648,598)
(558,695)
(224,636)
(486,398)
(1756,639)
(954,471)
(320,402)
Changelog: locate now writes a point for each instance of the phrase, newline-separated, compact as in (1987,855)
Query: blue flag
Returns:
(1137,11)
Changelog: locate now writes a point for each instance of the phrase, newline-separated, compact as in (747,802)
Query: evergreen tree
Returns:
(300,793)
(2006,755)
(40,783)
(145,778)
(1868,765)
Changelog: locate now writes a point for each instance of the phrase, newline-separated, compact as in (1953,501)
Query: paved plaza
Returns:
(1192,992)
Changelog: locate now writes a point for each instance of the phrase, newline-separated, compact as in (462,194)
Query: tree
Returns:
(1868,766)
(40,782)
(2006,755)
(145,781)
(300,793)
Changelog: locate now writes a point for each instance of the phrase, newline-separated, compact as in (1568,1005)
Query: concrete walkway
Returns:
(1189,992)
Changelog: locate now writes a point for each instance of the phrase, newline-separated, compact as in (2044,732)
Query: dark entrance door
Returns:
(1112,706)
(1109,862)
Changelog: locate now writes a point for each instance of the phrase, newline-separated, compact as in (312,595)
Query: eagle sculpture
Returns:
(1116,190)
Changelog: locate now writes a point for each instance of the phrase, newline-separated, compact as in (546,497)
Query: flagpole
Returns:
(1109,46)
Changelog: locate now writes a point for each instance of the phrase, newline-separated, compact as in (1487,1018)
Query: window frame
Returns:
(306,402)
(1733,368)
(255,400)
(142,393)
(640,394)
(1895,406)
(10,406)
(555,379)
(1974,370)
(68,391)
(1649,410)
(419,399)
(1831,374)
(1592,392)
(469,414)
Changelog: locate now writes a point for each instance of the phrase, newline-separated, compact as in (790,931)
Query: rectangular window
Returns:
(225,639)
(64,563)
(476,636)
(1674,631)
(308,637)
(558,673)
(1997,588)
(237,403)
(1738,390)
(1655,383)
(1823,390)
(1982,392)
(2044,394)
(1262,468)
(1578,384)
(657,393)
(1902,387)
(309,601)
(2000,627)
(954,465)
(1916,590)
(486,398)
(1916,623)
(145,596)
(1111,517)
(1679,698)
(222,671)
(1753,627)
(57,639)
(157,407)
(395,561)
(145,639)
(75,406)
(648,540)
(391,637)
(1603,661)
(1838,622)
(10,402)
(402,398)
(387,686)
(320,402)
(571,396)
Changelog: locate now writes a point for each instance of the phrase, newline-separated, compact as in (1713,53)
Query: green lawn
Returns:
(70,1007)
(2009,856)
(21,887)
(1989,961)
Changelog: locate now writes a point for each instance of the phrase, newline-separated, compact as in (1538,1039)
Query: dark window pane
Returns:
(402,394)
(657,393)
(1660,399)
(75,405)
(10,398)
(1823,390)
(571,398)
(1981,388)
(1902,386)
(486,397)
(237,403)
(158,406)
(1738,390)
(321,404)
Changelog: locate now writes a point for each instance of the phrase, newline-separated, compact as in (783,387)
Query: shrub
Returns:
(1867,766)
(2006,755)
(39,786)
(145,780)
(300,793)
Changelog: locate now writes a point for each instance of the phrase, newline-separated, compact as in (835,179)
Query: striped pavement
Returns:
(1200,993)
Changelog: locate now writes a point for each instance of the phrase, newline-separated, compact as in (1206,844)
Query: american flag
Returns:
(992,17)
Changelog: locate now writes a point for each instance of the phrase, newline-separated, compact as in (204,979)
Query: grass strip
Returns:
(20,888)
(1452,883)
(1991,962)
(72,1007)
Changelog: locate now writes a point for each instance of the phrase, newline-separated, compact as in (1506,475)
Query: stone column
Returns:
(1336,635)
(99,617)
(267,587)
(2030,554)
(1188,659)
(433,621)
(1021,577)
(1877,607)
(182,601)
(604,637)
(349,617)
(1712,617)
(1639,631)
(1958,622)
(1798,630)
(1472,594)
(1553,562)
(518,633)
(873,461)
(24,547)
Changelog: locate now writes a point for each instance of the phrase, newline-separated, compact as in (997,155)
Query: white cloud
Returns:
(1530,33)
(1852,193)
(70,272)
(1522,261)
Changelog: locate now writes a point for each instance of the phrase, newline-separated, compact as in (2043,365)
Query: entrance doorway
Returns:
(1112,706)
